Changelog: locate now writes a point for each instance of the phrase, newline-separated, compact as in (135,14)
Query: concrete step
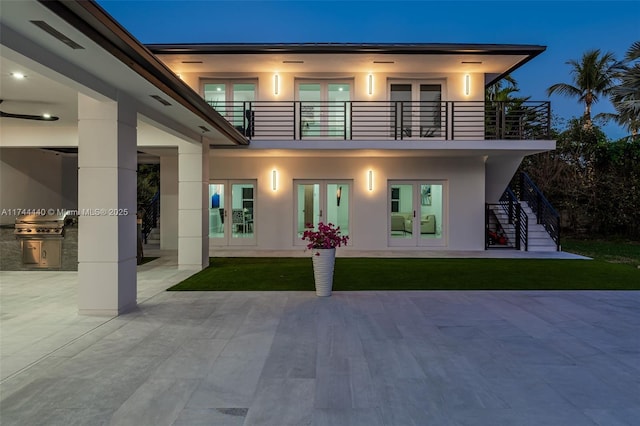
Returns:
(154,236)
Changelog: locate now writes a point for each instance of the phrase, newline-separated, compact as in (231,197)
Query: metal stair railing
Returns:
(150,213)
(546,215)
(517,217)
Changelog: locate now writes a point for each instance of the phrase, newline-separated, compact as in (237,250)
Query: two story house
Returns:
(394,143)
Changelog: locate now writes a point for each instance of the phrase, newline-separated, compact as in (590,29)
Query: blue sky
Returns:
(567,28)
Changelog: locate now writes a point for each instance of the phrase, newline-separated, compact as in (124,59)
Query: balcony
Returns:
(386,120)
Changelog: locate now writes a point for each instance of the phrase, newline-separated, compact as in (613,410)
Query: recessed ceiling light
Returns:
(471,62)
(384,62)
(47,116)
(191,62)
(293,62)
(18,75)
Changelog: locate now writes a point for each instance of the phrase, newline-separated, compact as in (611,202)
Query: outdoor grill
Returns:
(41,238)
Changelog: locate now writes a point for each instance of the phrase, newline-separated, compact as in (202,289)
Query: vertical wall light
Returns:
(274,180)
(467,84)
(370,84)
(370,180)
(276,84)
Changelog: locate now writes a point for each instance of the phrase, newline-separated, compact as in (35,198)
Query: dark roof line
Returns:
(382,48)
(94,22)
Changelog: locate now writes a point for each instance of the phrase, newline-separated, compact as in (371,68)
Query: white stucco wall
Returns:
(36,179)
(275,210)
(452,84)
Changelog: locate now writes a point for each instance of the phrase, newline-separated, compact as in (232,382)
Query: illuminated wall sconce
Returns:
(370,83)
(274,180)
(467,85)
(276,84)
(370,180)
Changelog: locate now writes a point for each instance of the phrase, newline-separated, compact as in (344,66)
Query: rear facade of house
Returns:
(394,143)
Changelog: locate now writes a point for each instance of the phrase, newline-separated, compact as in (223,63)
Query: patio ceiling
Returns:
(55,73)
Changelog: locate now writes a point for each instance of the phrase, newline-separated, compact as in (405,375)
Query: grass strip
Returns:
(260,274)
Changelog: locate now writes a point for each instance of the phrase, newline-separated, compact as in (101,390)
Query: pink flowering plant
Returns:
(326,237)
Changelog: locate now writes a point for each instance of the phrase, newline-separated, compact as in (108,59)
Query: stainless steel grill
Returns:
(41,238)
(40,226)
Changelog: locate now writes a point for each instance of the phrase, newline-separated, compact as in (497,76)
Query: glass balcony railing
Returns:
(386,120)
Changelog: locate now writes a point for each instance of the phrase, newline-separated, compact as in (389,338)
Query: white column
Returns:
(107,187)
(169,203)
(193,217)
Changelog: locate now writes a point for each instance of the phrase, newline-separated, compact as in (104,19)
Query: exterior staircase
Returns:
(154,236)
(538,239)
(526,221)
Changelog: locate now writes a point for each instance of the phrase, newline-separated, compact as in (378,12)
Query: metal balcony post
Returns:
(350,120)
(298,117)
(395,121)
(344,119)
(453,119)
(401,120)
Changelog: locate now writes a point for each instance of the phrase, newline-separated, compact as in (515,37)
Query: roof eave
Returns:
(94,22)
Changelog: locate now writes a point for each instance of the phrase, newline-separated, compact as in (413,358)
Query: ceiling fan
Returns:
(45,117)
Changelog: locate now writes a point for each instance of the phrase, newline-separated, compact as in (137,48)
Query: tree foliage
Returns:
(148,182)
(592,181)
(625,96)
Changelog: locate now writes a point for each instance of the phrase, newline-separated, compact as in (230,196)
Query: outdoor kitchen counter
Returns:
(10,255)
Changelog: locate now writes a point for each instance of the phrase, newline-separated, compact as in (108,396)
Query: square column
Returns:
(107,193)
(193,213)
(169,203)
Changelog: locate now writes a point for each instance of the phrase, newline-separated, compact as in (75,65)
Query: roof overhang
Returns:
(494,60)
(77,47)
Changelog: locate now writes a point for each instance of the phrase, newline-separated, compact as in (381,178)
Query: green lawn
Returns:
(415,274)
(627,252)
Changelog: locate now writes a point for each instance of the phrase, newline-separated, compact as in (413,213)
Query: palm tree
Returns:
(502,90)
(626,95)
(593,76)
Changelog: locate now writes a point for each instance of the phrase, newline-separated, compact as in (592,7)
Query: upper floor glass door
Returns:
(230,99)
(418,109)
(324,108)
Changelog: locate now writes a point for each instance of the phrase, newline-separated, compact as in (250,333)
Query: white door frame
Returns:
(322,202)
(228,239)
(440,239)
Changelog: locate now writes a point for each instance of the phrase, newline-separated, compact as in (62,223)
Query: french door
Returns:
(326,201)
(417,213)
(231,99)
(419,112)
(324,108)
(232,212)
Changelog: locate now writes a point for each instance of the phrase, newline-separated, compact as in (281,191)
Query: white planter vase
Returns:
(323,262)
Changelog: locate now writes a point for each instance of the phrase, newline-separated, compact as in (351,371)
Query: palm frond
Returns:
(634,52)
(564,89)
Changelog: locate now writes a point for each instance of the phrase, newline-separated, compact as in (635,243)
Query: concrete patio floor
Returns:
(291,358)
